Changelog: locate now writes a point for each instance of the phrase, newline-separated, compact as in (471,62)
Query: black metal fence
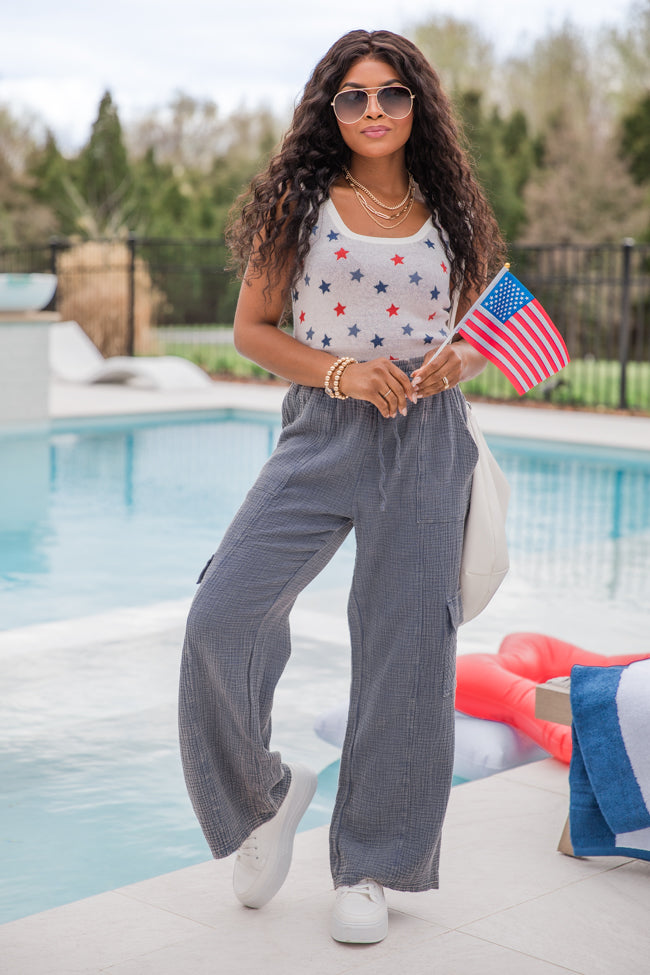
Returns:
(597,295)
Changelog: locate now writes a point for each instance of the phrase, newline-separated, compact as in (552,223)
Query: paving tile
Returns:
(453,953)
(87,936)
(499,850)
(597,926)
(279,941)
(204,893)
(549,774)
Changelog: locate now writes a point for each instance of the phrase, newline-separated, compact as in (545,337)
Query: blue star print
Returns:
(354,331)
(357,275)
(310,334)
(295,296)
(307,279)
(381,287)
(326,341)
(377,341)
(429,243)
(435,294)
(324,286)
(407,329)
(415,278)
(428,339)
(332,235)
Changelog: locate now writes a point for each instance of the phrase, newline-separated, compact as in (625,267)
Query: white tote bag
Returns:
(484,561)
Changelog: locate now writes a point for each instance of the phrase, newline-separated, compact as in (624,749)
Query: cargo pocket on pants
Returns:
(455,610)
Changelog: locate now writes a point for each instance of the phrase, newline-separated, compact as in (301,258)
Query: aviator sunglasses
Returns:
(351,104)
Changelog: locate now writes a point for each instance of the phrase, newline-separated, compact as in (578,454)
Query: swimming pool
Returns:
(96,517)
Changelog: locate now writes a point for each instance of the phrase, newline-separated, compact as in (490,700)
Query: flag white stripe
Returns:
(545,336)
(538,343)
(496,354)
(558,342)
(500,336)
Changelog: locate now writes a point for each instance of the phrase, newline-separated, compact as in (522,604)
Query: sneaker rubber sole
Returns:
(281,831)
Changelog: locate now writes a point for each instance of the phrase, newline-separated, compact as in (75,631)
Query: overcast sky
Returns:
(57,58)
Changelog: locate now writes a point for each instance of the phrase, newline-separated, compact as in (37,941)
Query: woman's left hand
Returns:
(438,373)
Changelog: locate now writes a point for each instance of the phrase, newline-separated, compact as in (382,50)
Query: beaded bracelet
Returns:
(334,376)
(337,378)
(331,369)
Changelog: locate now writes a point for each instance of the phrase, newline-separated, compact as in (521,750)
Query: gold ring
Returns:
(385,394)
(445,382)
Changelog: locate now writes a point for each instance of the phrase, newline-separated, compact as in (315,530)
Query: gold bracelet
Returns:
(334,376)
(331,369)
(337,377)
(343,359)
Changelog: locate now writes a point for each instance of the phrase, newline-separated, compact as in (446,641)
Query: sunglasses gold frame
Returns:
(368,92)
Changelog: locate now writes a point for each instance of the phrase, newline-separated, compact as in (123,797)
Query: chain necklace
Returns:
(399,212)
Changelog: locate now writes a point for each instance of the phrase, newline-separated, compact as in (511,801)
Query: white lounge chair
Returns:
(75,358)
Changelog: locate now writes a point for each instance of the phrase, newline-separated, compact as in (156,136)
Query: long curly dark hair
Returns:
(280,208)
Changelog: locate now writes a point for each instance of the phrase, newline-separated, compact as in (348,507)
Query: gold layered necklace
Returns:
(396,214)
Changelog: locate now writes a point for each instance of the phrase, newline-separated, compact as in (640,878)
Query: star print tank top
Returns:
(372,297)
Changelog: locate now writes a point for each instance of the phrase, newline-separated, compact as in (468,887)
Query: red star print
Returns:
(393,358)
(444,267)
(431,317)
(341,254)
(397,260)
(392,311)
(340,309)
(302,316)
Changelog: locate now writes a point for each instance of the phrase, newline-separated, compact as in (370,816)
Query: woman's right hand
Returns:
(380,382)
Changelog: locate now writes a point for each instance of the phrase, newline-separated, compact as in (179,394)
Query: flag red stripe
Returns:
(543,336)
(553,332)
(481,328)
(508,344)
(475,339)
(538,348)
(527,348)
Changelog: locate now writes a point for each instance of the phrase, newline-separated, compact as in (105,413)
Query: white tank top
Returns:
(372,297)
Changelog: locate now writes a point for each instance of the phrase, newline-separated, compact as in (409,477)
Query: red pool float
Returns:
(501,686)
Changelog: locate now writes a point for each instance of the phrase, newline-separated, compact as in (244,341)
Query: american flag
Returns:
(510,327)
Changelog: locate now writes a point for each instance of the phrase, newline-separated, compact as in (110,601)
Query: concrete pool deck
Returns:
(611,430)
(509,904)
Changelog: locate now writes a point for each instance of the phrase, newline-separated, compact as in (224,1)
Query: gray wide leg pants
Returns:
(403,484)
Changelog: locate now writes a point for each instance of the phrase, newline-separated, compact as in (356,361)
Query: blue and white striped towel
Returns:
(610,764)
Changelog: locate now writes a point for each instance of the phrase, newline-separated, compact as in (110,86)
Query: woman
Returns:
(370,221)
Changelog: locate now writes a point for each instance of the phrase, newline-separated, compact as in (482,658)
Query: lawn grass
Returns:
(584,383)
(217,360)
(587,383)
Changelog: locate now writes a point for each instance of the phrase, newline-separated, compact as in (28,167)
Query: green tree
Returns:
(583,193)
(504,159)
(51,176)
(462,57)
(23,220)
(504,153)
(623,59)
(103,183)
(635,140)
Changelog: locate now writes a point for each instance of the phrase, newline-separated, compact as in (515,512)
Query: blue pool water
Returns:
(95,517)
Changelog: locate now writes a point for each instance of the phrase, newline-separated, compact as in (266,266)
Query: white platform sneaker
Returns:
(263,861)
(360,914)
